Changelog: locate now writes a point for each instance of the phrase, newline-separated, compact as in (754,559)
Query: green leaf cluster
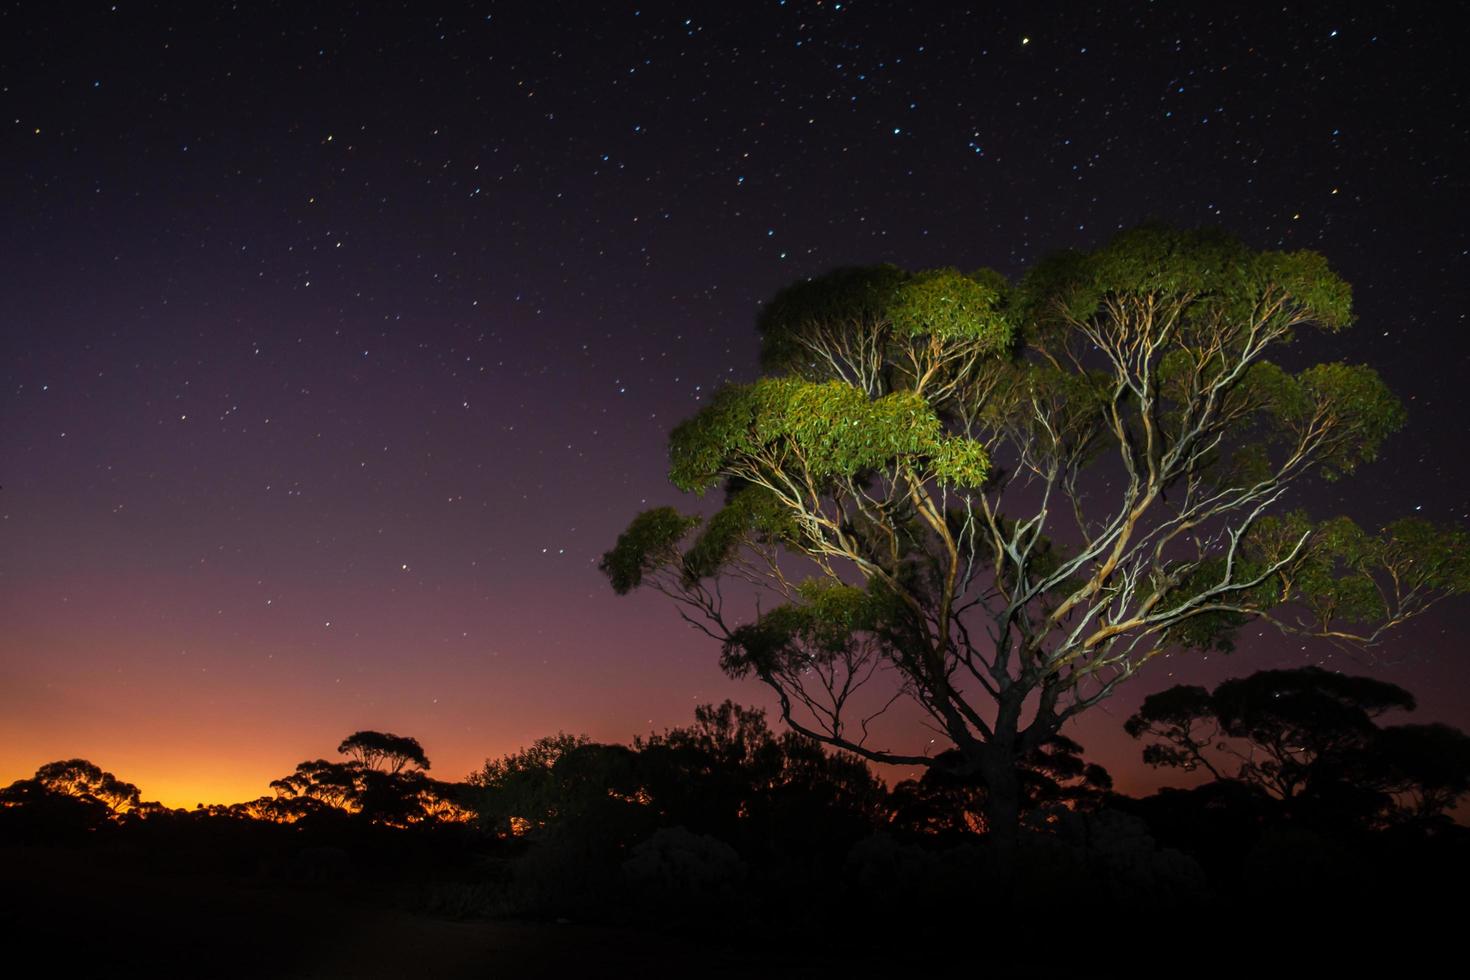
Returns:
(827,621)
(751,513)
(823,430)
(650,542)
(886,308)
(849,299)
(1347,574)
(1215,273)
(1345,410)
(949,305)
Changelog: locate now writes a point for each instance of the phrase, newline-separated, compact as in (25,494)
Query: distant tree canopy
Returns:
(1310,738)
(335,784)
(727,776)
(68,797)
(530,789)
(730,776)
(79,779)
(384,751)
(384,781)
(1000,501)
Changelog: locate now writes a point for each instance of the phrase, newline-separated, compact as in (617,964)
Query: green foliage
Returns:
(948,305)
(828,431)
(850,297)
(1213,628)
(1214,274)
(1336,579)
(1248,464)
(1343,412)
(1348,575)
(1426,555)
(1350,402)
(829,621)
(846,318)
(931,435)
(960,462)
(1306,277)
(751,513)
(1072,399)
(650,542)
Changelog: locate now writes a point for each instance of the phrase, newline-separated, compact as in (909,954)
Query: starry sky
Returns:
(339,341)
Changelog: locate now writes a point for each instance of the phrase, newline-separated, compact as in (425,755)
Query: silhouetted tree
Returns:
(384,750)
(65,798)
(1015,498)
(383,782)
(272,809)
(1425,767)
(940,802)
(1309,738)
(577,808)
(337,784)
(521,791)
(29,810)
(681,811)
(730,776)
(78,777)
(559,784)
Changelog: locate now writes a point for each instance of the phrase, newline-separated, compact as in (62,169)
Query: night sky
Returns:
(337,345)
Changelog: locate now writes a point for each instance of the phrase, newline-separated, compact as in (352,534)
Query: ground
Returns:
(88,920)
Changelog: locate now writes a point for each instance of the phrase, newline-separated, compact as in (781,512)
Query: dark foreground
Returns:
(92,912)
(108,915)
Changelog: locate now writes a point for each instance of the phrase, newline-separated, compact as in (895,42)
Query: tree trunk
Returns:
(1002,805)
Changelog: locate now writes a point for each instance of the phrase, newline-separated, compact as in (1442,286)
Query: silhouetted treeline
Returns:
(724,826)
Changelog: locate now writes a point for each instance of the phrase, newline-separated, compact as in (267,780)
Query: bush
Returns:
(678,867)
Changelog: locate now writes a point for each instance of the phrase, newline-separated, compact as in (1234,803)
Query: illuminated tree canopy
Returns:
(1001,501)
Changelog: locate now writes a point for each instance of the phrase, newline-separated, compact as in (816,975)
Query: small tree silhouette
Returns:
(78,777)
(1310,739)
(384,751)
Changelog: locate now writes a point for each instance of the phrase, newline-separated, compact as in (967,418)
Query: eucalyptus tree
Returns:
(1276,729)
(384,780)
(1311,739)
(1002,501)
(80,778)
(384,751)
